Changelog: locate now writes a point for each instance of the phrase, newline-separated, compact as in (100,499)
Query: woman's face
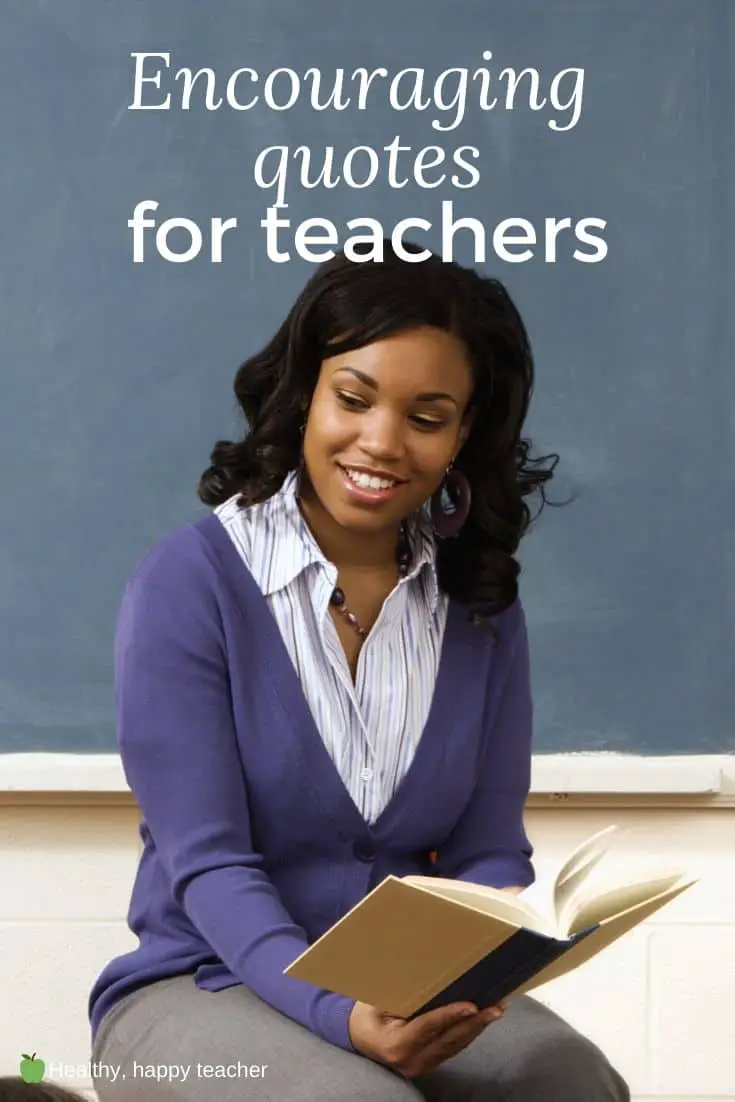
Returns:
(394,407)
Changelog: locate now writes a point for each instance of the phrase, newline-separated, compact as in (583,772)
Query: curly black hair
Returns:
(14,1089)
(347,304)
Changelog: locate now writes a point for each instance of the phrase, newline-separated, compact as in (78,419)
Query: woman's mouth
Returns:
(367,488)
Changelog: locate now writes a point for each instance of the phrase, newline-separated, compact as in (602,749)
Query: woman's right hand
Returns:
(414,1047)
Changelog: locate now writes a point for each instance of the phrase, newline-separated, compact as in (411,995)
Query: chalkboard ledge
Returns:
(555,777)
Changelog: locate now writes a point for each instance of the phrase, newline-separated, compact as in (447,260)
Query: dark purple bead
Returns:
(338,597)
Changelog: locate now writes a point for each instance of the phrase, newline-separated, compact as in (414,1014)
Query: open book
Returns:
(418,942)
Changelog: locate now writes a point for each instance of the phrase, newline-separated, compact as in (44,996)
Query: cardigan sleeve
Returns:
(489,844)
(178,748)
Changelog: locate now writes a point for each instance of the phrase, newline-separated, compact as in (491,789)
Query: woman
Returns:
(325,681)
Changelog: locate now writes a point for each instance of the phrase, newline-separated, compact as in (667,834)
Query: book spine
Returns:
(503,971)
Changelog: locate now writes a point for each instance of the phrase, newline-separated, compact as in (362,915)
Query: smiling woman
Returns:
(304,668)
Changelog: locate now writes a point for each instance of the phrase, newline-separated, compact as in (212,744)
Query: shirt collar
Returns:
(281,524)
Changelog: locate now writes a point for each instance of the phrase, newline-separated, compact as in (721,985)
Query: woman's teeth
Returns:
(369,482)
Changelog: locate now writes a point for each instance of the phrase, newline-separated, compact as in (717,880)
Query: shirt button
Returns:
(366,774)
(364,850)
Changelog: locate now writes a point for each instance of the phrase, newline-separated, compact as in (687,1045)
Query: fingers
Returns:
(414,1038)
(442,1043)
(435,1022)
(458,1036)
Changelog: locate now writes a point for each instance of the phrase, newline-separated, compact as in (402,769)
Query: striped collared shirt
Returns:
(370,728)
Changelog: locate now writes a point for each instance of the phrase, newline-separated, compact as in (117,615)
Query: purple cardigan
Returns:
(252,845)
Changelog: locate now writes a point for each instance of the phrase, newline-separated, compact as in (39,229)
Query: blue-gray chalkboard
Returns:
(116,376)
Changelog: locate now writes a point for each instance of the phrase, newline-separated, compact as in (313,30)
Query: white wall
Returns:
(661,1002)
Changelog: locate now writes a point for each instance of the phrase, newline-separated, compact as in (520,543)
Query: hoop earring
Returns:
(455,488)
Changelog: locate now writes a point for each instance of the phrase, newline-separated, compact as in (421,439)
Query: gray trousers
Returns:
(173,1042)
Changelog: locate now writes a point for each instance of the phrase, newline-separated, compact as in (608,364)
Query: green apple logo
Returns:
(31,1069)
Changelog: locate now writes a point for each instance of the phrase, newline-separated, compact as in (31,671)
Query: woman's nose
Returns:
(383,435)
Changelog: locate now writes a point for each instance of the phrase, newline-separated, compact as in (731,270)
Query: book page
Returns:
(607,903)
(604,935)
(575,871)
(491,901)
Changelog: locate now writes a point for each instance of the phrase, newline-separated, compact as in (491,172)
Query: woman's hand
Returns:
(412,1048)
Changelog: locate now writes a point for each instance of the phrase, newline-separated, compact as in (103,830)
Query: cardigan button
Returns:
(364,850)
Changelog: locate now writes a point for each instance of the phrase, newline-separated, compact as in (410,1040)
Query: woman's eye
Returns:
(353,402)
(349,400)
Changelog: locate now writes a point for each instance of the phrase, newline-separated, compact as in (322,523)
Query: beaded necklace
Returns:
(403,556)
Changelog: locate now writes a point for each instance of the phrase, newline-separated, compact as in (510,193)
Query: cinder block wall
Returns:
(661,1002)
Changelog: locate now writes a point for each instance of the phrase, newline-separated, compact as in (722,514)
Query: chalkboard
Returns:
(116,376)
